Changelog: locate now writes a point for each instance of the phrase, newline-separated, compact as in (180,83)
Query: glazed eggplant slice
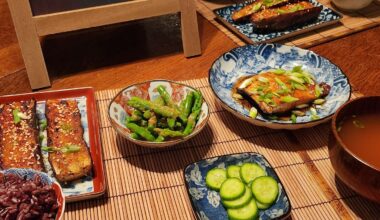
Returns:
(68,152)
(279,91)
(19,146)
(276,19)
(256,6)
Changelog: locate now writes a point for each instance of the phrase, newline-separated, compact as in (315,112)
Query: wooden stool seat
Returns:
(30,27)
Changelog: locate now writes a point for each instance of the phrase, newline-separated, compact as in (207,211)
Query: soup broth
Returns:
(361,135)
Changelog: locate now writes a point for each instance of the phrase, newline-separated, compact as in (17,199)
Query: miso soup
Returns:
(361,135)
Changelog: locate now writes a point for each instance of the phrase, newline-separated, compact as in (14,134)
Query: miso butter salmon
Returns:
(19,146)
(279,91)
(68,153)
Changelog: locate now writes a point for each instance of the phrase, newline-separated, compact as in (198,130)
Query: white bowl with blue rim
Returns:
(253,59)
(118,109)
(207,204)
(29,174)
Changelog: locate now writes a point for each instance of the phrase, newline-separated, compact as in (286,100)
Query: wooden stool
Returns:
(29,27)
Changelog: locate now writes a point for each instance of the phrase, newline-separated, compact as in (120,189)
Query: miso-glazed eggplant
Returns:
(276,15)
(280,92)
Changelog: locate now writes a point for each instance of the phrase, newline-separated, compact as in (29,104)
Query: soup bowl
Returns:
(355,172)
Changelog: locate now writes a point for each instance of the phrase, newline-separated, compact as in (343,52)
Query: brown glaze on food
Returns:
(271,97)
(65,129)
(286,16)
(19,146)
(256,6)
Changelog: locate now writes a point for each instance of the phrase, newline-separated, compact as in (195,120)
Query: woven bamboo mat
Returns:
(148,184)
(351,22)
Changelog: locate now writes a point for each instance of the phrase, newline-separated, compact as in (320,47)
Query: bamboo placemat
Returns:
(350,23)
(148,184)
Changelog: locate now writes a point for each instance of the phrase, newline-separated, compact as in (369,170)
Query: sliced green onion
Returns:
(263,79)
(43,124)
(297,69)
(317,91)
(296,79)
(278,71)
(314,117)
(299,86)
(273,117)
(319,101)
(288,99)
(70,149)
(293,118)
(313,111)
(16,117)
(358,124)
(253,112)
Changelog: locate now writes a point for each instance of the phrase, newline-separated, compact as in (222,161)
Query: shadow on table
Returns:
(281,140)
(88,49)
(168,159)
(362,207)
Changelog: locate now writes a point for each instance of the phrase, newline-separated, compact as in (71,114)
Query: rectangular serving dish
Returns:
(90,186)
(247,31)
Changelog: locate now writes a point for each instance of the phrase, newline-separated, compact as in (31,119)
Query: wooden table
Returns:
(358,55)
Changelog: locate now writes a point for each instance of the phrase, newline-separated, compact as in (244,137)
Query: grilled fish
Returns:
(70,158)
(19,146)
(277,92)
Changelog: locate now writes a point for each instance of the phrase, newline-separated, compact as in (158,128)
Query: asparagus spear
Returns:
(168,133)
(152,122)
(165,96)
(144,105)
(192,119)
(186,106)
(143,132)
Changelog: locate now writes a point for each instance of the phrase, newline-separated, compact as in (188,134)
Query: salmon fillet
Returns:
(279,93)
(64,129)
(19,146)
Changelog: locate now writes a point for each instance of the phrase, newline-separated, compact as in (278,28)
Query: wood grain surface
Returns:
(116,56)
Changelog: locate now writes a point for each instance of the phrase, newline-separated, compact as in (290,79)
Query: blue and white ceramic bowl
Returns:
(207,203)
(252,59)
(30,173)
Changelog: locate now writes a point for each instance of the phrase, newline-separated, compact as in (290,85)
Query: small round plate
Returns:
(252,59)
(118,110)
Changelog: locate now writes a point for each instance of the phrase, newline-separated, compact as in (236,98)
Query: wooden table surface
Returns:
(114,57)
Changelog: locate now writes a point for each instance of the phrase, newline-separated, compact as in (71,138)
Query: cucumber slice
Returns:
(233,171)
(239,202)
(265,189)
(262,206)
(232,189)
(247,212)
(215,177)
(250,171)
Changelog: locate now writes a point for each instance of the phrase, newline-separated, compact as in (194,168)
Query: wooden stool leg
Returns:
(189,25)
(29,42)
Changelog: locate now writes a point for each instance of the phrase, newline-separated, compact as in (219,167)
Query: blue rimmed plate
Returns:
(252,59)
(207,204)
(247,31)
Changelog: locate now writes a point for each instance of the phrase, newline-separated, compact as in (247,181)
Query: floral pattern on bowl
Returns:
(118,109)
(252,59)
(30,173)
(248,32)
(207,203)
